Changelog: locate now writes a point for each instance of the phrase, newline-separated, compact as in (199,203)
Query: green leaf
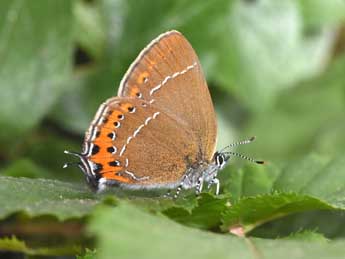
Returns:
(262,51)
(313,183)
(90,26)
(322,12)
(37,197)
(35,48)
(299,249)
(319,179)
(127,232)
(329,223)
(294,177)
(255,203)
(206,214)
(25,168)
(253,211)
(15,245)
(89,254)
(331,141)
(292,128)
(308,235)
(138,234)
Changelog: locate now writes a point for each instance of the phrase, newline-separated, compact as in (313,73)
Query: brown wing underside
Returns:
(173,124)
(152,148)
(168,74)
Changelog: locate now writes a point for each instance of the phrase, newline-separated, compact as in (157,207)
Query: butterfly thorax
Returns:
(203,172)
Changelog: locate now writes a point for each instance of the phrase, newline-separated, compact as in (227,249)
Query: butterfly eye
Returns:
(219,159)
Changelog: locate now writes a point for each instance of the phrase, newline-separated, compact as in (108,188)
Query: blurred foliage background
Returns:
(275,69)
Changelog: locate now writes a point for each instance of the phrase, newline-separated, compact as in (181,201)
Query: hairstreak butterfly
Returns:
(160,131)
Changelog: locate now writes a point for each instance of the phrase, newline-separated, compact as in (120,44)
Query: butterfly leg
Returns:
(185,183)
(178,190)
(199,185)
(216,182)
(168,194)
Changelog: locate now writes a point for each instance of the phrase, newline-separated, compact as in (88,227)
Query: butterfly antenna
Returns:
(69,164)
(247,141)
(244,157)
(73,153)
(80,156)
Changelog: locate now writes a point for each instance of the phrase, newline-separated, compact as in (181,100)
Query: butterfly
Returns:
(160,131)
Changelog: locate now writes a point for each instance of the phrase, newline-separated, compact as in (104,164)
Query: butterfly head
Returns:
(222,157)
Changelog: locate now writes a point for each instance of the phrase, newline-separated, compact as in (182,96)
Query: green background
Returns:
(275,69)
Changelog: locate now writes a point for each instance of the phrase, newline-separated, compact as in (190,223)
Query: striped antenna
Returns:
(243,142)
(244,157)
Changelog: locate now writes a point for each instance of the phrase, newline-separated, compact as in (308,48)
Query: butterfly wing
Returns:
(135,144)
(167,74)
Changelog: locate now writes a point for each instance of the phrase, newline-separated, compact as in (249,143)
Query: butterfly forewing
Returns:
(167,74)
